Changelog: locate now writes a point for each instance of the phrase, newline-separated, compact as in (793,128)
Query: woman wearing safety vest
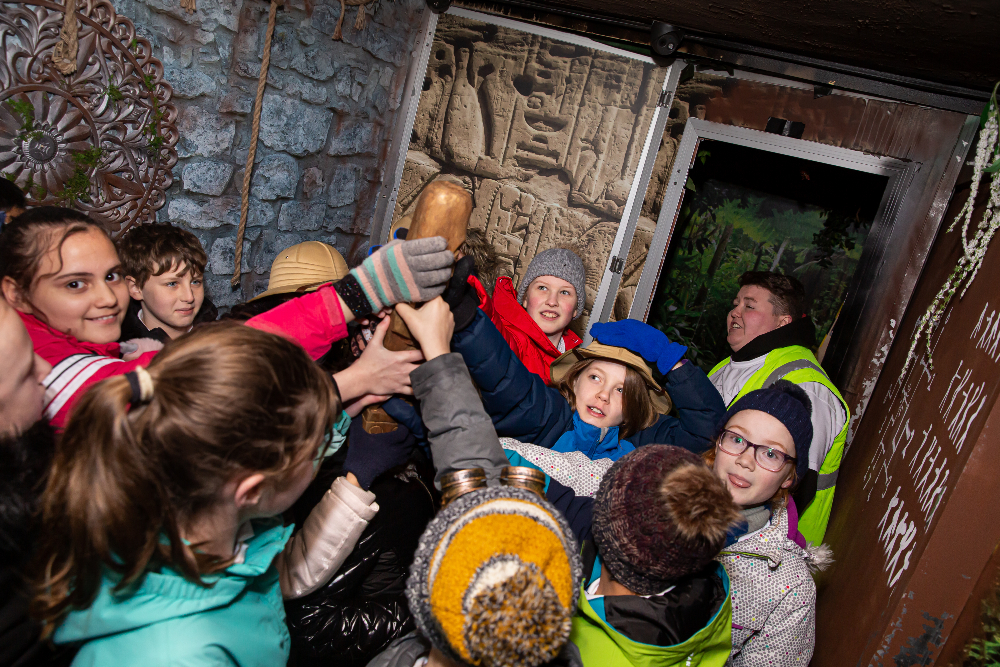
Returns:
(771,337)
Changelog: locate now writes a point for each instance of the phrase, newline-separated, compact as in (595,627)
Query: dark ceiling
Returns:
(953,42)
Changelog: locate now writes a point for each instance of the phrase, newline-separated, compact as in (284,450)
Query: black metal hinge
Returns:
(665,98)
(617,265)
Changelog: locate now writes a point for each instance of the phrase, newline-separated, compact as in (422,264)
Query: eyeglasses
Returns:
(766,457)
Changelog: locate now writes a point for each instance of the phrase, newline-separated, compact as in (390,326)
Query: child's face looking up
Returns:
(749,483)
(171,300)
(551,303)
(599,389)
(84,294)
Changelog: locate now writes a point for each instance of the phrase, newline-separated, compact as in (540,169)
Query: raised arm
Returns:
(699,410)
(460,433)
(518,401)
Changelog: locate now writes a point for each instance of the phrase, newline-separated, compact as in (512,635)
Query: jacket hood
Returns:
(691,621)
(506,304)
(167,594)
(800,332)
(779,541)
(595,442)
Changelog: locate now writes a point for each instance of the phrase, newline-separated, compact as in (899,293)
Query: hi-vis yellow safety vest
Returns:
(797,364)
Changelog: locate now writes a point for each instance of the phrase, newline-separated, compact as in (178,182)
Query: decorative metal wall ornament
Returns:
(100,139)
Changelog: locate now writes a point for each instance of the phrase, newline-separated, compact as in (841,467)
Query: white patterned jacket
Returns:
(773,593)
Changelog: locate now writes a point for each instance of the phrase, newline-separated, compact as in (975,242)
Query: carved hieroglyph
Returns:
(546,135)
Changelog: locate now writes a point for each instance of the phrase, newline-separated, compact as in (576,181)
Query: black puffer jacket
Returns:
(363,608)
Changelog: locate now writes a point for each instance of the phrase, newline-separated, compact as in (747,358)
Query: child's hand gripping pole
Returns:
(442,210)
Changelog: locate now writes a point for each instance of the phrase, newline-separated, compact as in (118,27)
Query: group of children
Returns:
(666,534)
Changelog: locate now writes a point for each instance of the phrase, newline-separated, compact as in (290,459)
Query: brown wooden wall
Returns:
(914,519)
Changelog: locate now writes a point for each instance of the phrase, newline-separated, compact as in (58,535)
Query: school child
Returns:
(12,201)
(164,269)
(60,270)
(760,454)
(609,397)
(162,539)
(62,274)
(489,582)
(535,319)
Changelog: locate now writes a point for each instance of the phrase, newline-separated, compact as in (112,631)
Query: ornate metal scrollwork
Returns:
(101,139)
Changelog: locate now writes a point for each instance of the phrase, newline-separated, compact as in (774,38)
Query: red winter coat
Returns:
(522,333)
(313,320)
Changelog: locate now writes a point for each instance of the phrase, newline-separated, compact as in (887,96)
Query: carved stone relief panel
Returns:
(547,136)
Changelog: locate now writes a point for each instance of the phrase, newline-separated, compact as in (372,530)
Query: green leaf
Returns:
(690,185)
(993,168)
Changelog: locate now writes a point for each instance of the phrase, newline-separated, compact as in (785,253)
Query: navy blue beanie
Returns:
(787,403)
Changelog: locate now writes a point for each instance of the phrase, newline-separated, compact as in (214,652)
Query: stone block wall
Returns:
(328,111)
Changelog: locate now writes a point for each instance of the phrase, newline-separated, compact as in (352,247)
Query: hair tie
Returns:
(141,384)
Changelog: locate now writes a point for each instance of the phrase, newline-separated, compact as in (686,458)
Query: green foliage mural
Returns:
(748,210)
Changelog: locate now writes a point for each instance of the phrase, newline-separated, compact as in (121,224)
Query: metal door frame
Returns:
(899,172)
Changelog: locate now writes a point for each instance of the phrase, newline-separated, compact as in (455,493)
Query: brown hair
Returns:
(637,408)
(25,240)
(788,297)
(780,496)
(125,480)
(152,250)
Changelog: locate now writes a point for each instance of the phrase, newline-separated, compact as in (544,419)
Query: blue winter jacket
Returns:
(522,406)
(168,621)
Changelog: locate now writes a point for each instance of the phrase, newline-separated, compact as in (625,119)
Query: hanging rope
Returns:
(64,54)
(254,131)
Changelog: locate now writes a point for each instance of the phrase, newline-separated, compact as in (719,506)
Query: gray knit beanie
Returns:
(561,263)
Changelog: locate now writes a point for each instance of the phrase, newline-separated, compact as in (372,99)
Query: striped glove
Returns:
(404,271)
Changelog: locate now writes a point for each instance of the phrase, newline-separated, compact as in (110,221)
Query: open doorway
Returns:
(749,209)
(777,187)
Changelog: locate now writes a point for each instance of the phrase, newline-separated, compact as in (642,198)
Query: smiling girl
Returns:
(760,454)
(61,272)
(535,319)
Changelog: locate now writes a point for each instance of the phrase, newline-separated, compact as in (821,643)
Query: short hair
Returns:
(638,411)
(787,294)
(153,249)
(11,196)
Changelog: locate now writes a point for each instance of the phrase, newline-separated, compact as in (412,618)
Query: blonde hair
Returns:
(126,477)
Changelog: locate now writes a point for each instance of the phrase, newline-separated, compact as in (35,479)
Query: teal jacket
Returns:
(168,620)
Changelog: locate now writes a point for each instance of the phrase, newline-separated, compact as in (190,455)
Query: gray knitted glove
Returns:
(405,271)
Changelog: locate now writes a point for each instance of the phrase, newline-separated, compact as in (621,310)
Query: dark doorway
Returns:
(748,209)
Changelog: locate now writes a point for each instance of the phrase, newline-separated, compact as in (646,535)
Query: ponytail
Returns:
(128,475)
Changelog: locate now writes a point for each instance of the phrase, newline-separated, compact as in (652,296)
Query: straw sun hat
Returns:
(565,361)
(304,267)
